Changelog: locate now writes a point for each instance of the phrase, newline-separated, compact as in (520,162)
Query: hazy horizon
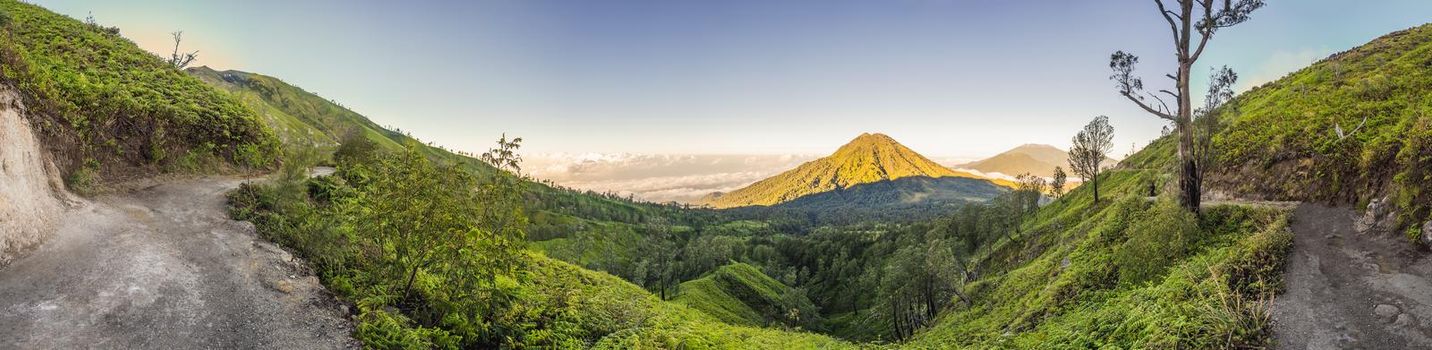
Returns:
(657,85)
(946,78)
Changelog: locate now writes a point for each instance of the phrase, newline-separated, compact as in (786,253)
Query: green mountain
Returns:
(740,294)
(866,159)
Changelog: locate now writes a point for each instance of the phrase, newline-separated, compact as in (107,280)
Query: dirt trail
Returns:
(164,268)
(1351,291)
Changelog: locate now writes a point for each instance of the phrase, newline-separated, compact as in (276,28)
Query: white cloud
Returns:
(661,177)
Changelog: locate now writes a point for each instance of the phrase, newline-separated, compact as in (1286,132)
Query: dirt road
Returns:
(1351,291)
(164,268)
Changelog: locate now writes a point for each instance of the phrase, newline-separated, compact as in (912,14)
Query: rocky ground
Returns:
(1351,290)
(165,268)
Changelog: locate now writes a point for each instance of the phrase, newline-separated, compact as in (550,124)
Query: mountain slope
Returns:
(108,110)
(866,159)
(909,198)
(740,294)
(1281,139)
(1035,159)
(299,116)
(1077,277)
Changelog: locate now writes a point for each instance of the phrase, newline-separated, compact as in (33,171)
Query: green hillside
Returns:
(908,198)
(1082,276)
(740,294)
(298,116)
(1281,139)
(1129,273)
(866,159)
(437,249)
(475,288)
(559,216)
(109,110)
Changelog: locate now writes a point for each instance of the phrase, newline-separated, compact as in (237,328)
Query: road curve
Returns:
(165,268)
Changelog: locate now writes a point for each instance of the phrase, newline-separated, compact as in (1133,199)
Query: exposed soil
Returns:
(165,268)
(1352,291)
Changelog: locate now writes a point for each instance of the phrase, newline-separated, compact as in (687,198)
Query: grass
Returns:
(544,304)
(300,117)
(738,294)
(1280,139)
(1129,272)
(110,110)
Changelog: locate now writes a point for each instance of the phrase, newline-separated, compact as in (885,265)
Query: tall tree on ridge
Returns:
(1191,17)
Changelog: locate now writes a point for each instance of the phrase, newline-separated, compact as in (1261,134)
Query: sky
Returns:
(946,77)
(576,78)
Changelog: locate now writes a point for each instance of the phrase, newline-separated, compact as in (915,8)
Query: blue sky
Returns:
(948,78)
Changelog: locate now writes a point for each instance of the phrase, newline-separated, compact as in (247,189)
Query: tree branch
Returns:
(1170,93)
(1168,16)
(1161,101)
(1149,109)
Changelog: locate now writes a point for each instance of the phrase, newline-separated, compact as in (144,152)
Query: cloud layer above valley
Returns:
(658,177)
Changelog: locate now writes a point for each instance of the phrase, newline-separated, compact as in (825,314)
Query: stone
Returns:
(1427,233)
(1376,218)
(1385,311)
(1404,320)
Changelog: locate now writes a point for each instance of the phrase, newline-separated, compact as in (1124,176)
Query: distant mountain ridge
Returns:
(869,158)
(1036,159)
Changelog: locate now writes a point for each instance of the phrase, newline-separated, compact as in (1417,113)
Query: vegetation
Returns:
(1351,128)
(443,249)
(299,117)
(1192,17)
(1089,148)
(429,256)
(1130,272)
(1136,273)
(741,294)
(1057,183)
(914,198)
(111,110)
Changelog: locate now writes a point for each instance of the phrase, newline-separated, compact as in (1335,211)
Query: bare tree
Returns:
(181,60)
(1091,146)
(1220,90)
(1056,186)
(1200,18)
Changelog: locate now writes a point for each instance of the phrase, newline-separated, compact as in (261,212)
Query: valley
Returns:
(145,203)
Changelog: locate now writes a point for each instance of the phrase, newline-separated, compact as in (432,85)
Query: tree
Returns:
(505,155)
(1057,185)
(1089,150)
(177,59)
(1201,18)
(1027,192)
